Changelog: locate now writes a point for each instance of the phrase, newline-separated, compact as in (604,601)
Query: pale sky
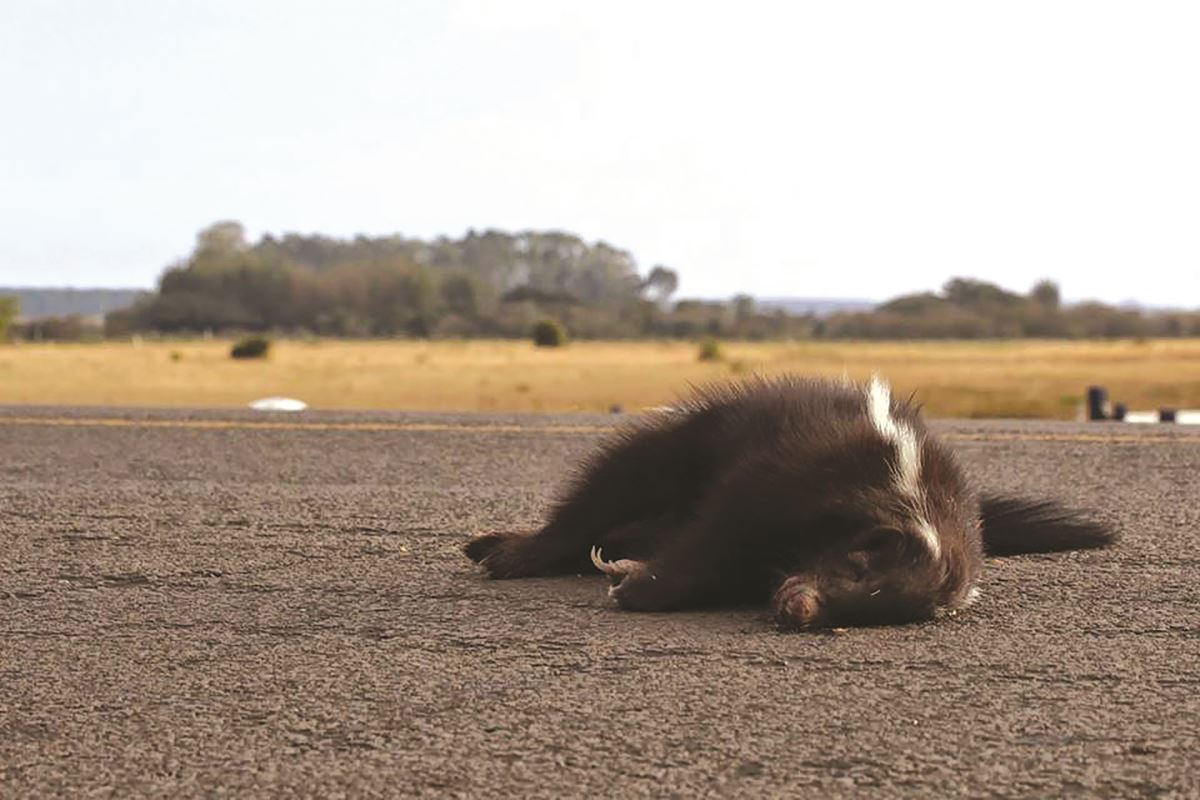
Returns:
(836,149)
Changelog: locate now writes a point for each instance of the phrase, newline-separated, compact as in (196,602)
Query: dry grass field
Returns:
(953,379)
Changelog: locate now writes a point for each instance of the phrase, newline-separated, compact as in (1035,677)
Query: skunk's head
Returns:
(898,531)
(883,574)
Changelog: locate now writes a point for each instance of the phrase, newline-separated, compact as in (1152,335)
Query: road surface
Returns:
(229,603)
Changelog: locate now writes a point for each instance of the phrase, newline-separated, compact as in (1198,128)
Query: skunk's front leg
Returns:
(647,585)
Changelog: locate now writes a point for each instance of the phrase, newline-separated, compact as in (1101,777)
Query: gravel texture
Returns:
(227,603)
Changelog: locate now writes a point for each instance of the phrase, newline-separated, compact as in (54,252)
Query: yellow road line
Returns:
(438,427)
(1066,437)
(234,424)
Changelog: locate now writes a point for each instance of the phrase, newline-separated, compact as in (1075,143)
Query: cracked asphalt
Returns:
(231,604)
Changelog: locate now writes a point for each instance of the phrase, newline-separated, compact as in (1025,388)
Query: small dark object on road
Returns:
(828,500)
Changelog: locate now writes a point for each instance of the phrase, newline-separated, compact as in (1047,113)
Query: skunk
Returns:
(830,501)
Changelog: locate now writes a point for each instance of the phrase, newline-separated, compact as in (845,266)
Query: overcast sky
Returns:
(841,149)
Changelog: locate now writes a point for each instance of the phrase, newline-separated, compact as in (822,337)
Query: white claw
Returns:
(598,559)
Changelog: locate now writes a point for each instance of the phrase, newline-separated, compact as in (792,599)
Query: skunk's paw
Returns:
(635,587)
(504,554)
(797,604)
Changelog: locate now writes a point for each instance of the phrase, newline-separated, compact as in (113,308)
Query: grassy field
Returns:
(953,379)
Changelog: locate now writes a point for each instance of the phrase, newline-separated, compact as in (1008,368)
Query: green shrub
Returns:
(255,346)
(549,333)
(710,349)
(9,308)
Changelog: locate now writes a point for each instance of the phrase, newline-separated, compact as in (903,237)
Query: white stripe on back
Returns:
(906,473)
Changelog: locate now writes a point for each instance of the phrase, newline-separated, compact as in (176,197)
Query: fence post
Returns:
(1097,402)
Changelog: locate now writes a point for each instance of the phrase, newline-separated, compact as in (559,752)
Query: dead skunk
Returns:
(829,500)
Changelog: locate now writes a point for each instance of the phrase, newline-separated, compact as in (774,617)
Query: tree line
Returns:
(500,284)
(972,309)
(490,283)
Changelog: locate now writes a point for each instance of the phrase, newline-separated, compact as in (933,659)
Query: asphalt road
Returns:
(224,603)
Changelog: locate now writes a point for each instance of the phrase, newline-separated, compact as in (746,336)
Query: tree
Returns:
(743,307)
(1045,293)
(227,236)
(661,283)
(9,308)
(914,304)
(460,295)
(970,293)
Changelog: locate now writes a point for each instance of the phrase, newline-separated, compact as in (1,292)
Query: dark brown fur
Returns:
(783,492)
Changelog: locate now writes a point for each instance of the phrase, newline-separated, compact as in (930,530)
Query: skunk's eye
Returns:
(879,540)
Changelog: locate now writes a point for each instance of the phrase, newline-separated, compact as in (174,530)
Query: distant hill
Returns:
(820,306)
(38,303)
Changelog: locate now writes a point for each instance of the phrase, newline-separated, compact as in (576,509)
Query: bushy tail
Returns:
(1013,525)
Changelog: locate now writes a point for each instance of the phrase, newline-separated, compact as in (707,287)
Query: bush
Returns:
(710,350)
(251,347)
(549,333)
(9,308)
